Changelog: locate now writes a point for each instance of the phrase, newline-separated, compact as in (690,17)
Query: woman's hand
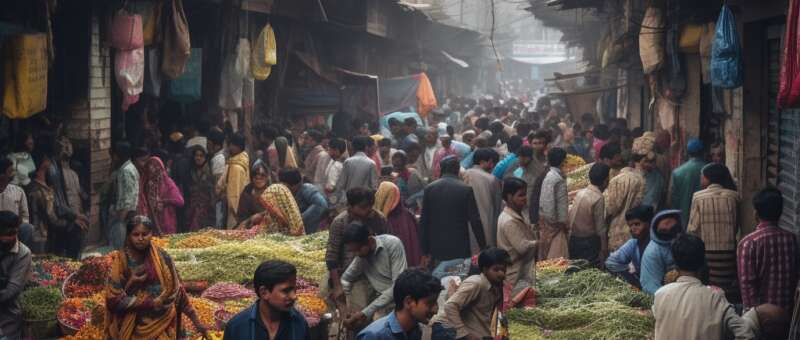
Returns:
(138,277)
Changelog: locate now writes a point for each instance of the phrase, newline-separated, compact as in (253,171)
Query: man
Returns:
(686,179)
(687,309)
(124,193)
(430,146)
(273,316)
(68,201)
(477,143)
(50,227)
(767,257)
(216,148)
(396,133)
(515,235)
(448,211)
(654,182)
(588,237)
(714,219)
(624,192)
(553,209)
(657,257)
(447,150)
(468,312)
(507,166)
(769,322)
(487,190)
(360,203)
(13,199)
(237,176)
(15,267)
(336,150)
(611,155)
(385,151)
(601,134)
(372,152)
(358,170)
(380,259)
(408,136)
(316,158)
(311,202)
(415,296)
(626,262)
(717,153)
(533,171)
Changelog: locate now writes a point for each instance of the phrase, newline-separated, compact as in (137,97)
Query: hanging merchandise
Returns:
(706,39)
(235,72)
(789,92)
(673,80)
(151,17)
(126,31)
(129,72)
(651,40)
(152,73)
(188,87)
(25,75)
(264,54)
(726,53)
(426,99)
(176,41)
(689,41)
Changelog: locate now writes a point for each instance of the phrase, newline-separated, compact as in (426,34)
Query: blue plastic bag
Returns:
(726,53)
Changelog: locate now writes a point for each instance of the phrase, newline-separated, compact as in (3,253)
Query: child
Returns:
(588,238)
(629,256)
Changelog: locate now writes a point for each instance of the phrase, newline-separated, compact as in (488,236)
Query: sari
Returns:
(200,209)
(158,197)
(401,222)
(282,215)
(131,316)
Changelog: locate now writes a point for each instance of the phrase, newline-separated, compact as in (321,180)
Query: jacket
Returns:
(657,257)
(448,207)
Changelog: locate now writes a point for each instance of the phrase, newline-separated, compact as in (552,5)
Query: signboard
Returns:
(532,48)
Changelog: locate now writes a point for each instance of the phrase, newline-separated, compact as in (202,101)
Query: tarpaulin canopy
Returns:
(403,93)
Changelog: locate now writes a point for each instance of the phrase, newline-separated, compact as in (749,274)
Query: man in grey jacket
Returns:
(358,170)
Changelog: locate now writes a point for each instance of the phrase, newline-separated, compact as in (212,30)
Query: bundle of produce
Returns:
(90,278)
(197,241)
(229,309)
(596,320)
(578,178)
(205,310)
(40,303)
(587,286)
(224,291)
(212,335)
(160,242)
(77,313)
(571,163)
(88,332)
(51,271)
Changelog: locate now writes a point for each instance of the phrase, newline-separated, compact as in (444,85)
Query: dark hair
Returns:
(642,212)
(271,273)
(238,140)
(514,143)
(610,150)
(523,129)
(38,159)
(315,135)
(719,174)
(482,123)
(696,154)
(410,122)
(135,220)
(525,151)
(360,143)
(451,131)
(450,166)
(637,132)
(636,158)
(412,146)
(385,142)
(768,204)
(141,152)
(19,142)
(415,284)
(393,121)
(338,144)
(598,174)
(496,127)
(290,176)
(5,163)
(493,256)
(511,186)
(556,156)
(689,252)
(600,131)
(356,233)
(269,132)
(123,150)
(540,134)
(8,221)
(216,136)
(485,155)
(359,196)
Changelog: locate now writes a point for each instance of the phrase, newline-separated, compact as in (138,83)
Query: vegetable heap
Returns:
(40,303)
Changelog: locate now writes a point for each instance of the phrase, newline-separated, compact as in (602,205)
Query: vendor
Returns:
(144,294)
(15,266)
(626,261)
(515,235)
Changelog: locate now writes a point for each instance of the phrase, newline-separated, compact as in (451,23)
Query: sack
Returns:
(126,31)
(235,72)
(151,17)
(651,40)
(789,90)
(152,73)
(689,42)
(129,73)
(726,53)
(177,46)
(25,75)
(264,54)
(187,87)
(706,39)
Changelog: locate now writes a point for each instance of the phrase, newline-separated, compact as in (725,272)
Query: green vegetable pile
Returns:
(588,286)
(40,303)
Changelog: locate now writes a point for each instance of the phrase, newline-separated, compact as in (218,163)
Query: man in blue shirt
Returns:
(312,203)
(273,316)
(619,262)
(507,166)
(415,298)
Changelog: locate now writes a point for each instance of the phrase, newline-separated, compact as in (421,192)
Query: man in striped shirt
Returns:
(624,192)
(767,257)
(714,219)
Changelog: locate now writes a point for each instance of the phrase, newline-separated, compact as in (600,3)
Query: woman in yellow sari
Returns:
(144,295)
(281,215)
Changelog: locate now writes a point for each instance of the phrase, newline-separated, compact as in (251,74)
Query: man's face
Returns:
(282,296)
(334,153)
(422,310)
(487,166)
(363,130)
(538,145)
(140,162)
(638,228)
(360,250)
(408,129)
(8,239)
(413,156)
(616,162)
(385,150)
(524,161)
(360,211)
(395,129)
(717,156)
(445,141)
(518,200)
(496,274)
(646,164)
(398,163)
(467,139)
(430,138)
(667,228)
(234,149)
(6,176)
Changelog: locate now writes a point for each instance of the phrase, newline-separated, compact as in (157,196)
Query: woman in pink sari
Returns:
(159,196)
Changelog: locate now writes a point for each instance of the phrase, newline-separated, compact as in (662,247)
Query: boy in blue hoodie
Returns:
(657,257)
(630,254)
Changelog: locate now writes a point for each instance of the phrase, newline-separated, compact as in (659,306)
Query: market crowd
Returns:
(479,189)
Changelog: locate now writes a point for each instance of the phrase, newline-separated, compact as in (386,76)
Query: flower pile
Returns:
(90,279)
(52,271)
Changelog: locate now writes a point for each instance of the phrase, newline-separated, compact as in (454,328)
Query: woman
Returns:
(248,201)
(286,156)
(199,212)
(281,213)
(401,222)
(144,294)
(21,157)
(159,196)
(409,181)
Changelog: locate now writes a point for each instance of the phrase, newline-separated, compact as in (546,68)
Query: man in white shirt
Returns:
(336,150)
(216,147)
(13,199)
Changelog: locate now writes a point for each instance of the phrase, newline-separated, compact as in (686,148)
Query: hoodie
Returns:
(657,257)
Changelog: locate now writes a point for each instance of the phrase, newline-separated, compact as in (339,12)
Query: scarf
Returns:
(281,206)
(387,198)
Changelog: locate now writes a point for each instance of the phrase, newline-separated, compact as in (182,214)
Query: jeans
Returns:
(116,234)
(442,332)
(221,209)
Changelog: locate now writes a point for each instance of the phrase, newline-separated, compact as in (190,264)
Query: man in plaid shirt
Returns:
(767,258)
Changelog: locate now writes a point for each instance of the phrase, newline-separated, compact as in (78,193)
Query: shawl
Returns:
(387,198)
(157,195)
(283,211)
(401,222)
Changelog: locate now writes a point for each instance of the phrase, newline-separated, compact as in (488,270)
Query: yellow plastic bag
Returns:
(25,75)
(689,41)
(264,54)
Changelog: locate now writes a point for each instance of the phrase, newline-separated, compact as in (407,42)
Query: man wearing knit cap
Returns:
(686,180)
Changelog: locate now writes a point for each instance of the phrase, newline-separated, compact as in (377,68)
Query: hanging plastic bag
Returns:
(264,54)
(129,72)
(651,40)
(177,45)
(789,91)
(126,31)
(235,71)
(188,87)
(726,53)
(25,75)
